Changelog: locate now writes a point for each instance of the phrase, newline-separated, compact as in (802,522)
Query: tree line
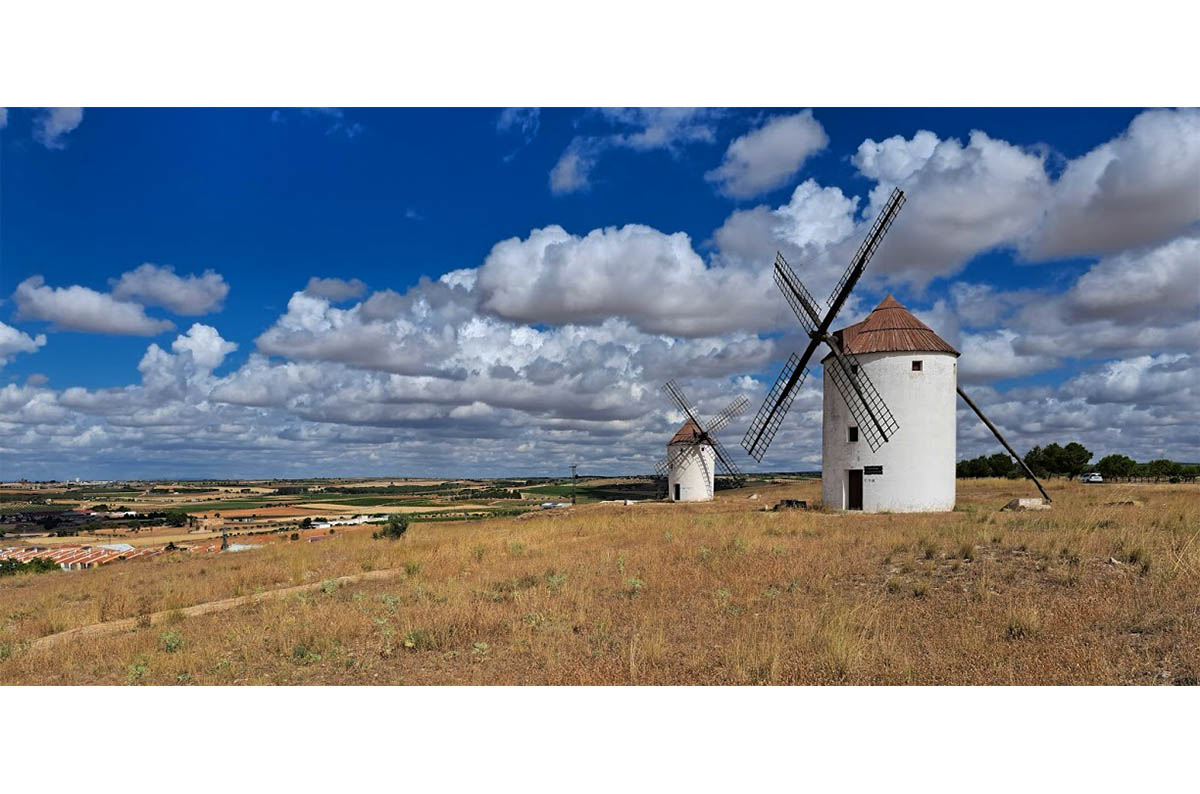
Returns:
(1073,460)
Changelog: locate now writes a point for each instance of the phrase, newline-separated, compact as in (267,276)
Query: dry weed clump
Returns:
(719,593)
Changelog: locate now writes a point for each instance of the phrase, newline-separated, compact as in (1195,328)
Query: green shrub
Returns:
(394,529)
(36,565)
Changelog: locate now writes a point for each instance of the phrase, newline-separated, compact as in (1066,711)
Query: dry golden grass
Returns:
(664,594)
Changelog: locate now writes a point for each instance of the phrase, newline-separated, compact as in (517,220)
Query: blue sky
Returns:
(1020,223)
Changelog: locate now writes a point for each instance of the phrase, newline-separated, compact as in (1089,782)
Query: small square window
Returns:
(916,366)
(853,369)
(853,435)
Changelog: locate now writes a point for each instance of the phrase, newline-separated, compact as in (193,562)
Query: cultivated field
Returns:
(720,593)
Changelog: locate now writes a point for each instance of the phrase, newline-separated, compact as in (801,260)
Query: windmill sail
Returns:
(799,298)
(719,421)
(858,391)
(768,419)
(725,460)
(875,420)
(867,250)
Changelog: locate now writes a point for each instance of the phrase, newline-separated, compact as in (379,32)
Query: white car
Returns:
(1093,477)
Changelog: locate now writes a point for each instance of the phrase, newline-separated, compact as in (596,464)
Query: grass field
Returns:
(718,593)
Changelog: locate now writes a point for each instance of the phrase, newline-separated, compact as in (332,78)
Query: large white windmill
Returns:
(888,371)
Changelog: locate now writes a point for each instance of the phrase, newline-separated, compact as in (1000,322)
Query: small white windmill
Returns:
(694,452)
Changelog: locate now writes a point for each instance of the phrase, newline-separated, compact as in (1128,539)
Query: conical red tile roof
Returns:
(891,328)
(688,433)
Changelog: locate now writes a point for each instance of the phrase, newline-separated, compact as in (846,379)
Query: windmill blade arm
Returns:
(875,419)
(799,298)
(775,406)
(1000,438)
(733,409)
(865,251)
(675,394)
(725,460)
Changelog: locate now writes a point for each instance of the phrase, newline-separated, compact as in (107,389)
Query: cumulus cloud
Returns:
(962,200)
(1140,188)
(78,308)
(13,341)
(335,289)
(993,356)
(655,281)
(811,230)
(1142,380)
(51,126)
(766,158)
(157,285)
(371,335)
(640,129)
(1162,283)
(205,346)
(1137,303)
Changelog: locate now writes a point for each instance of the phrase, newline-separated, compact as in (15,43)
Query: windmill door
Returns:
(854,497)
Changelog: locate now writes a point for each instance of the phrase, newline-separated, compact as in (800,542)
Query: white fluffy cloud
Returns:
(1140,188)
(51,126)
(766,158)
(962,200)
(1137,189)
(814,230)
(1142,380)
(1160,284)
(157,285)
(992,356)
(1137,303)
(655,281)
(77,308)
(372,335)
(205,345)
(13,341)
(335,289)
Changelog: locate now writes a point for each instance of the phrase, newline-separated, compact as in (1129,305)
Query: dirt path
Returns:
(196,610)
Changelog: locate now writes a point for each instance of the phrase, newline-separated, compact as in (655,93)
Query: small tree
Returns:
(394,529)
(1074,459)
(1116,466)
(1163,468)
(1035,459)
(1001,465)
